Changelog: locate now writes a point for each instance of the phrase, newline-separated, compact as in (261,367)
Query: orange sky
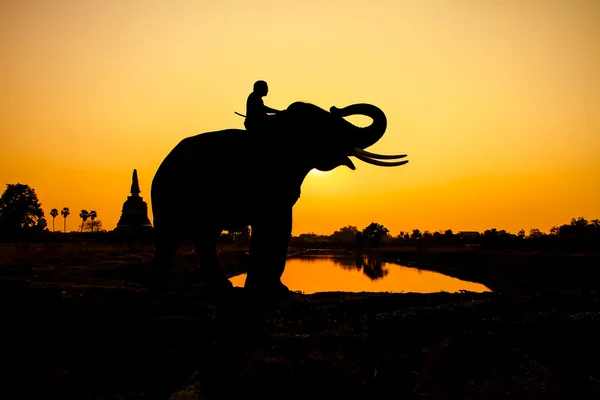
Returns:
(496,103)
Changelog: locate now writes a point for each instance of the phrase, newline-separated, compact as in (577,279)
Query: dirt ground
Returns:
(79,324)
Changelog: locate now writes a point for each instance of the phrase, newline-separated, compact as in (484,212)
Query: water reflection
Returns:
(371,267)
(362,274)
(349,262)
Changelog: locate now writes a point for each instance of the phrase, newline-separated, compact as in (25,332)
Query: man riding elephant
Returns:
(257,113)
(274,165)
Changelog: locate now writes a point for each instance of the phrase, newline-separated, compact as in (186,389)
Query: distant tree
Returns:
(310,237)
(416,234)
(494,238)
(93,226)
(346,234)
(580,231)
(93,216)
(20,210)
(579,222)
(521,234)
(446,236)
(53,213)
(594,228)
(360,240)
(535,233)
(307,235)
(427,235)
(374,233)
(84,215)
(65,213)
(554,230)
(397,239)
(490,233)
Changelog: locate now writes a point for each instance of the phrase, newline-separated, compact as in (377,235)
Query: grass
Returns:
(79,324)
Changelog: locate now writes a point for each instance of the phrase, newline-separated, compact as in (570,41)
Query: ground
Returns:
(80,325)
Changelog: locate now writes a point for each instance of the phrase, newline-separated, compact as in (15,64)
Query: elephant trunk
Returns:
(369,135)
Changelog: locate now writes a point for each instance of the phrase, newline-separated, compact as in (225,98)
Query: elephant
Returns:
(235,178)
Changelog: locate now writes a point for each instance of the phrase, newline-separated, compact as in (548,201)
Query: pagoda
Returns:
(134,215)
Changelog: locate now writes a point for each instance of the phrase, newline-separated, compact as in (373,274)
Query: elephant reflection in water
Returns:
(233,178)
(371,267)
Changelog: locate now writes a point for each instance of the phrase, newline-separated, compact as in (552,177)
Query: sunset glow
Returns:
(496,103)
(324,275)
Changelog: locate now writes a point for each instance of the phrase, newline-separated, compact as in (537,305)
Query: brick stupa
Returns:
(134,216)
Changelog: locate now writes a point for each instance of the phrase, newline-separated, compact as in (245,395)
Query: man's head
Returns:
(261,88)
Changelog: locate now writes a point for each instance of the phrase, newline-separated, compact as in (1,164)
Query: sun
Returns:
(316,172)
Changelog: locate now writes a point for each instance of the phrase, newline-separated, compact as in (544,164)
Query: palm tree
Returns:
(84,215)
(93,216)
(65,213)
(54,213)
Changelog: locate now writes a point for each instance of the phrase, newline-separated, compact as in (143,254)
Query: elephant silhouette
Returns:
(235,178)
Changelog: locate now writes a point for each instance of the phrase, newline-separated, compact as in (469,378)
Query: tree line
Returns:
(21,214)
(579,233)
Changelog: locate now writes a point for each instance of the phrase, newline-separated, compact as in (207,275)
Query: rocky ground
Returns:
(78,324)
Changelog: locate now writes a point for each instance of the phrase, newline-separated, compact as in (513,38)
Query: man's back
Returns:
(255,111)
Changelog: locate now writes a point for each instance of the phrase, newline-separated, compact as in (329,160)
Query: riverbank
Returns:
(504,271)
(115,343)
(79,324)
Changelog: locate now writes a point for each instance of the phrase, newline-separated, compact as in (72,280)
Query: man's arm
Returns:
(271,110)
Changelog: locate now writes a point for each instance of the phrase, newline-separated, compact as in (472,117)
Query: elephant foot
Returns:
(263,295)
(283,289)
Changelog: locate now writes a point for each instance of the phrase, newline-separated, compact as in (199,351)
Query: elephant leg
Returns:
(215,281)
(268,253)
(165,247)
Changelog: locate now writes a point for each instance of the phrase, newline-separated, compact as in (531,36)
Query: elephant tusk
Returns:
(380,163)
(362,152)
